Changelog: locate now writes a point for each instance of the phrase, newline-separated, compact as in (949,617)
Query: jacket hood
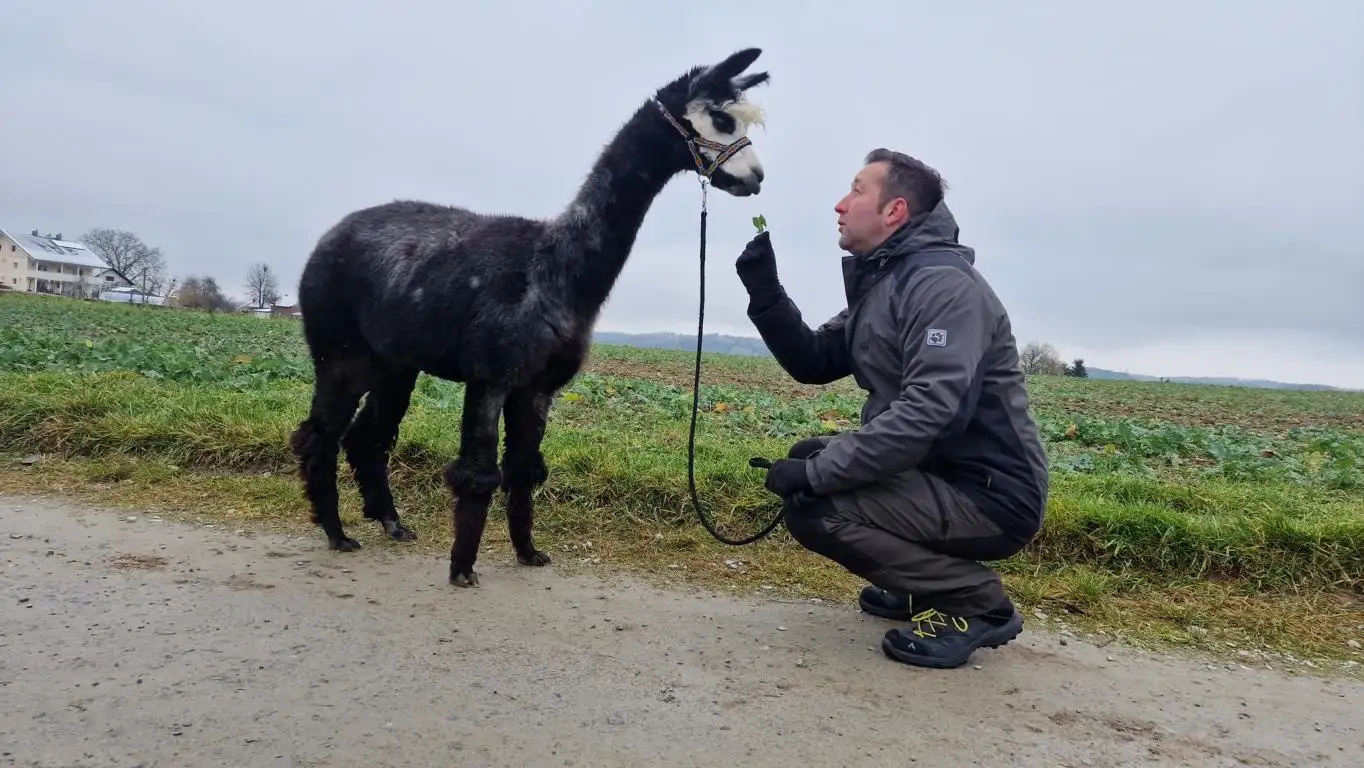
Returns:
(934,230)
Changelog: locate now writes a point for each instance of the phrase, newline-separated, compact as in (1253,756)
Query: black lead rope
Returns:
(755,462)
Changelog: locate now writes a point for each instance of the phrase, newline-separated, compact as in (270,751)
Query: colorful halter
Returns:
(723,152)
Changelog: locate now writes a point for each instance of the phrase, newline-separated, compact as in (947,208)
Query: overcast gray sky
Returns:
(1193,171)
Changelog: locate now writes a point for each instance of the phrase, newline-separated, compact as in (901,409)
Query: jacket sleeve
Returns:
(947,330)
(817,356)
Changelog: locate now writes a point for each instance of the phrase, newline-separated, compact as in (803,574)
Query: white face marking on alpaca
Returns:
(474,282)
(744,165)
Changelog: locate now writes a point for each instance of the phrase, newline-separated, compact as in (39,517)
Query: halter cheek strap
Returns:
(723,152)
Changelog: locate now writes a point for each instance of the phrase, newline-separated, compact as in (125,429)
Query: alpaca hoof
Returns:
(344,544)
(536,558)
(464,578)
(398,532)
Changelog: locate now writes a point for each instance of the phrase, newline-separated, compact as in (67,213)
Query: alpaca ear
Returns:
(733,65)
(745,82)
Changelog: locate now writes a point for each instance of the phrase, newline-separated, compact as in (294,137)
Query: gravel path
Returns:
(147,643)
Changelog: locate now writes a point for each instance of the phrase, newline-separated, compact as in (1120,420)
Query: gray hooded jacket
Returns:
(932,345)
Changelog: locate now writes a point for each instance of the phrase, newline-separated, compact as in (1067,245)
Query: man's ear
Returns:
(897,209)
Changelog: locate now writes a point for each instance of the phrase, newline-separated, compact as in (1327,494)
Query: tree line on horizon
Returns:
(145,267)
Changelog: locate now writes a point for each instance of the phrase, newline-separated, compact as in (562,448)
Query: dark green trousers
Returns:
(915,534)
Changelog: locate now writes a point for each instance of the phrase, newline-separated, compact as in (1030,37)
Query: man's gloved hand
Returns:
(787,478)
(757,268)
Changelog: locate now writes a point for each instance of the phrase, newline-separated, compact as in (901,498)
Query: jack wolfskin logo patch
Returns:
(937,337)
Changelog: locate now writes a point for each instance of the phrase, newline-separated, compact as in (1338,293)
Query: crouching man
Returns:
(947,469)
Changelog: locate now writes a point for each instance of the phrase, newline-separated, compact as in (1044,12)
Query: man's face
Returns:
(862,223)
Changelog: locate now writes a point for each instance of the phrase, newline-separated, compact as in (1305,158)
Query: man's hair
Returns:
(921,186)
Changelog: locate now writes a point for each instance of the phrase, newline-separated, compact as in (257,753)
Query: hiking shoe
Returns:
(884,603)
(940,641)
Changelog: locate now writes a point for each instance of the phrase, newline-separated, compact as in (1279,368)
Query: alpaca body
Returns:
(503,303)
(467,280)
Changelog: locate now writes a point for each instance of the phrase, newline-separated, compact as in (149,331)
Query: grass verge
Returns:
(1186,553)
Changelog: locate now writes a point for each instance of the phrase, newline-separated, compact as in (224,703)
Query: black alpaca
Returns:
(503,303)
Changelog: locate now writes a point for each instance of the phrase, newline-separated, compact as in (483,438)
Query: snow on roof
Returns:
(61,251)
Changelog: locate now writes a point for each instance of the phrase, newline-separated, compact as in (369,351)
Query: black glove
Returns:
(787,477)
(757,268)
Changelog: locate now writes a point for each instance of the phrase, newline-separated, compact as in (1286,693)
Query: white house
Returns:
(34,263)
(109,279)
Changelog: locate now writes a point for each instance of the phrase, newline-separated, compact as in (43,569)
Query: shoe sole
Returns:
(885,613)
(997,638)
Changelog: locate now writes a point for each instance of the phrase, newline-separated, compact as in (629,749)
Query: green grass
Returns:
(1240,511)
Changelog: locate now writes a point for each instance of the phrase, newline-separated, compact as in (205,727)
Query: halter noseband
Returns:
(723,152)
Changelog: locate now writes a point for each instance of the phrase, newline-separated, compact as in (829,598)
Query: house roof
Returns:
(61,251)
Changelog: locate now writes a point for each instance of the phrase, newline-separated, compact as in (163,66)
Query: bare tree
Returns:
(1040,358)
(125,252)
(202,293)
(139,263)
(260,284)
(164,286)
(151,279)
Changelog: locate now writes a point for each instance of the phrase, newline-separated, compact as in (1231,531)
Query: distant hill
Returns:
(1101,373)
(711,342)
(754,347)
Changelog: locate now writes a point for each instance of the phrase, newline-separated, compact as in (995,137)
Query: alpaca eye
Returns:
(723,121)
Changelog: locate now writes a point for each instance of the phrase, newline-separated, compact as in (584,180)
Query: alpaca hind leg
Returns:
(523,468)
(368,443)
(316,443)
(473,477)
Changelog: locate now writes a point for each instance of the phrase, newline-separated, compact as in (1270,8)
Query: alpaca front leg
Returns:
(523,468)
(473,477)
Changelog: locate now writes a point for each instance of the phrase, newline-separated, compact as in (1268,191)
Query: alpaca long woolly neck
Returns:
(596,233)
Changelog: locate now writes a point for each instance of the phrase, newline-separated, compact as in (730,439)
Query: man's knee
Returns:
(819,527)
(806,448)
(809,523)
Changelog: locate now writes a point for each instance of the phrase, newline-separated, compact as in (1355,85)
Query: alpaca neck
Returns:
(599,227)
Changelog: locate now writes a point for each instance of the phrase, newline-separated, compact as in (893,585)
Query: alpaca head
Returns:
(708,106)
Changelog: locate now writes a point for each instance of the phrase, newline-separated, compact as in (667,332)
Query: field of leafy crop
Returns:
(1164,496)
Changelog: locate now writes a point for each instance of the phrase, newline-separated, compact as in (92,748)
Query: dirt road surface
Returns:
(148,643)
